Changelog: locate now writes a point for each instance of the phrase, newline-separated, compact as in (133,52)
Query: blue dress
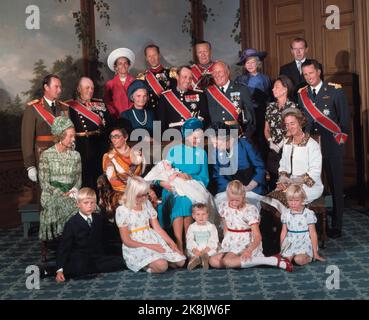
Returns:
(145,119)
(190,160)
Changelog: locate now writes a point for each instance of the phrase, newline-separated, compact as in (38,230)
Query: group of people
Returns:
(267,145)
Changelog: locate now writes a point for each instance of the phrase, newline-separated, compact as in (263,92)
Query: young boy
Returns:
(201,239)
(81,248)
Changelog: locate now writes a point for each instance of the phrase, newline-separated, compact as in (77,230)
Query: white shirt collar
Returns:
(226,85)
(318,87)
(84,216)
(302,61)
(49,102)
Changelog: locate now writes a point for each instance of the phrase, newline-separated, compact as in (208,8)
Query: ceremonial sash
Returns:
(177,104)
(46,115)
(321,118)
(154,83)
(199,71)
(92,116)
(223,101)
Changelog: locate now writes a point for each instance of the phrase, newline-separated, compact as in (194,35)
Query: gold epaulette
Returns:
(335,85)
(31,103)
(97,100)
(141,76)
(302,89)
(173,73)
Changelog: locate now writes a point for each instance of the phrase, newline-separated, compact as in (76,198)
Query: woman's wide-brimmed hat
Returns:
(61,124)
(190,126)
(118,53)
(251,52)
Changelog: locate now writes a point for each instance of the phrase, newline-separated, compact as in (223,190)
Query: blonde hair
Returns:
(295,191)
(135,186)
(86,193)
(236,188)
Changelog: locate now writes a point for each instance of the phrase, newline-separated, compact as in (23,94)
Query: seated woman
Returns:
(274,131)
(120,163)
(138,117)
(301,162)
(192,163)
(60,179)
(235,158)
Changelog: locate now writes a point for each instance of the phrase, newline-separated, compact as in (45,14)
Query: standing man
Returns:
(326,107)
(37,119)
(157,78)
(91,119)
(179,104)
(230,102)
(293,70)
(202,70)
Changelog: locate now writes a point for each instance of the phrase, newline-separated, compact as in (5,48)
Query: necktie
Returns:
(222,89)
(53,108)
(314,93)
(299,66)
(89,221)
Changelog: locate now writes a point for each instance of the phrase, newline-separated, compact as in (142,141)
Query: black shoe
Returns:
(334,233)
(47,271)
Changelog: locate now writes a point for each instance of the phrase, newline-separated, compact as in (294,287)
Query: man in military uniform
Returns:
(179,104)
(37,119)
(202,70)
(230,102)
(91,119)
(157,78)
(328,113)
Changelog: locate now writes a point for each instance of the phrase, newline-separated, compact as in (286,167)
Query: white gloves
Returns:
(252,185)
(32,174)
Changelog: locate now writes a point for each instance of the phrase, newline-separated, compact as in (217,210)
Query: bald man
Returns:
(91,120)
(229,102)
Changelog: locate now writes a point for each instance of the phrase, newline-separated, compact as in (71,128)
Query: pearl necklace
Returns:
(145,119)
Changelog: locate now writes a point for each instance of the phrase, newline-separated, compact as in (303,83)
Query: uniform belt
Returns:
(139,229)
(231,123)
(88,133)
(45,138)
(242,230)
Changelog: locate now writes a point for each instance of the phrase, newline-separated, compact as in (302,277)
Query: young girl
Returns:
(201,238)
(145,243)
(241,246)
(299,240)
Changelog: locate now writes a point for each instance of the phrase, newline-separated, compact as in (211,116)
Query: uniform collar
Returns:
(317,88)
(157,69)
(226,86)
(49,102)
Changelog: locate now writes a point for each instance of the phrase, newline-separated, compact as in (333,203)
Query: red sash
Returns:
(46,115)
(154,83)
(92,116)
(198,71)
(322,119)
(223,101)
(177,104)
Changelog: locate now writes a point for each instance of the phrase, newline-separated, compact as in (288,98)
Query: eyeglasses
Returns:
(116,136)
(143,195)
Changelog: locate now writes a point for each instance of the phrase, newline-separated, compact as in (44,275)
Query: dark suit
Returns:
(81,248)
(331,101)
(239,95)
(291,71)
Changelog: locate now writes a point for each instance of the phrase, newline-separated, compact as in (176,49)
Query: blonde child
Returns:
(145,244)
(299,240)
(241,246)
(201,238)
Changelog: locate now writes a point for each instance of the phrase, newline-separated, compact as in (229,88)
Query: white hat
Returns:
(118,53)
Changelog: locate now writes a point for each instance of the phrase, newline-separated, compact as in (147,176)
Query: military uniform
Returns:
(194,101)
(239,96)
(36,132)
(91,138)
(332,102)
(202,77)
(167,80)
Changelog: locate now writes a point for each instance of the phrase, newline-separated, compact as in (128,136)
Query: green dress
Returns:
(59,172)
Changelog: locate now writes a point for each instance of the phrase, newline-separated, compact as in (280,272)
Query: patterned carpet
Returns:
(350,254)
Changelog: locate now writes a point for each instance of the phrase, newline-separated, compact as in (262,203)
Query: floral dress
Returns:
(239,219)
(59,172)
(297,240)
(138,224)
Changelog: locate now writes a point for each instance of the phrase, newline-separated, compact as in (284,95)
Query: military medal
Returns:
(326,112)
(193,106)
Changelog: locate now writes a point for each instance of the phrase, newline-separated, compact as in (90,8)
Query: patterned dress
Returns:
(59,172)
(239,219)
(138,223)
(297,240)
